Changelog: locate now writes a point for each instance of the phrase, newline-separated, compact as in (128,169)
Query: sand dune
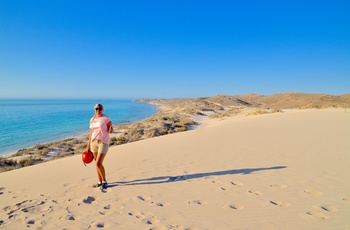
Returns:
(278,171)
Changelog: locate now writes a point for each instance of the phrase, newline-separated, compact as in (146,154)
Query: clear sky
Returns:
(172,48)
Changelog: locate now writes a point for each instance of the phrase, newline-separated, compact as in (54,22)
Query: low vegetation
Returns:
(43,153)
(176,115)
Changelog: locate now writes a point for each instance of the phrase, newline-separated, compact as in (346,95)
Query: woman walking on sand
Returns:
(100,128)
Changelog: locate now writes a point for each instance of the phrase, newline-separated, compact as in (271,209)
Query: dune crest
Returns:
(255,172)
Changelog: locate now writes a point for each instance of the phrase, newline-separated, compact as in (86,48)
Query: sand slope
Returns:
(280,171)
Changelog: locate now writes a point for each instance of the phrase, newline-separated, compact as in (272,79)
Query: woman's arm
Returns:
(110,127)
(88,145)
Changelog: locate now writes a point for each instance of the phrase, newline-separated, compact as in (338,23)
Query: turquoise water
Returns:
(25,123)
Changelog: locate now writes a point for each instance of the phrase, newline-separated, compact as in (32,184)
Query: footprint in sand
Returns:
(35,223)
(255,192)
(31,206)
(317,214)
(39,207)
(113,207)
(199,202)
(136,214)
(16,207)
(162,204)
(159,228)
(278,186)
(148,198)
(31,222)
(211,178)
(72,217)
(235,206)
(280,203)
(329,208)
(237,183)
(99,225)
(313,192)
(17,217)
(217,182)
(148,218)
(188,228)
(143,198)
(224,188)
(89,200)
(6,208)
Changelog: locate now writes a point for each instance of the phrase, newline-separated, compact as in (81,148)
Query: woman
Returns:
(100,127)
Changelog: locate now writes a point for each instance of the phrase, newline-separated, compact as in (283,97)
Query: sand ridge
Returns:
(278,171)
(178,115)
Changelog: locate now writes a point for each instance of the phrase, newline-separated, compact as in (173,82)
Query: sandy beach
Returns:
(285,170)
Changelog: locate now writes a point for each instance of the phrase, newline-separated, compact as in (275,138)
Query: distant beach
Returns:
(26,123)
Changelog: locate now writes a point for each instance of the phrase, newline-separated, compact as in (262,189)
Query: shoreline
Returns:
(173,115)
(68,137)
(233,172)
(58,120)
(34,155)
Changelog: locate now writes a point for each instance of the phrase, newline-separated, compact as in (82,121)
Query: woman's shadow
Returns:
(168,179)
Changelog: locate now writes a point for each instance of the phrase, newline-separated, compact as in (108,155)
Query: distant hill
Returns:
(284,100)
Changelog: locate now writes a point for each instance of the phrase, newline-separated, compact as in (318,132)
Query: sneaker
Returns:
(97,185)
(104,185)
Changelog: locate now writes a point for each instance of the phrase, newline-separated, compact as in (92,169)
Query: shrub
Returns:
(22,152)
(276,111)
(81,146)
(26,161)
(227,113)
(42,152)
(40,147)
(120,140)
(66,153)
(6,162)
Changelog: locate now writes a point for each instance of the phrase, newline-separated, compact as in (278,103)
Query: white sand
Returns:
(280,171)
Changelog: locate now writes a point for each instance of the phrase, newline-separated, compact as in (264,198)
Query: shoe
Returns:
(104,185)
(97,185)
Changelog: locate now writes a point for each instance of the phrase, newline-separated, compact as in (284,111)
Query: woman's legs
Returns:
(99,166)
(98,174)
(100,150)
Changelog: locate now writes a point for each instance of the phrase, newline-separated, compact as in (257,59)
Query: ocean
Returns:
(25,123)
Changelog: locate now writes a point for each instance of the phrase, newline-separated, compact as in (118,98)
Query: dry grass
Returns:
(298,100)
(7,164)
(264,111)
(160,124)
(42,153)
(174,115)
(227,113)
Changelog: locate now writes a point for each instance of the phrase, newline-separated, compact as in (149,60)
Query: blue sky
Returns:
(167,49)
